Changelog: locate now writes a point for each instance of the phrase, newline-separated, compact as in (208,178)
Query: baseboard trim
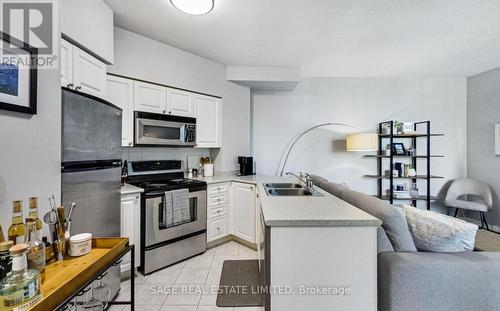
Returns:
(231,237)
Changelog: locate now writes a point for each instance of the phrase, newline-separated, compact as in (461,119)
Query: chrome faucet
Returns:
(305,178)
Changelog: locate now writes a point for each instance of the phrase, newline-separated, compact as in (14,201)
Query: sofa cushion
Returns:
(393,218)
(435,232)
(383,243)
(334,188)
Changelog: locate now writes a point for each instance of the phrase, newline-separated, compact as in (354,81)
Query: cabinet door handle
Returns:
(78,87)
(218,228)
(164,111)
(70,85)
(170,112)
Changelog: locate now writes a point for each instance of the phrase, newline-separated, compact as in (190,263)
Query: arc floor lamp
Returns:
(354,142)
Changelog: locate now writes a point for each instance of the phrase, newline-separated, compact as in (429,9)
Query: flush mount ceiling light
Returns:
(194,7)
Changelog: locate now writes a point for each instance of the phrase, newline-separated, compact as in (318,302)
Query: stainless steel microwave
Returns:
(153,129)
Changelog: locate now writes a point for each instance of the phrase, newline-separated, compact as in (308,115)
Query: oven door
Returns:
(159,132)
(156,233)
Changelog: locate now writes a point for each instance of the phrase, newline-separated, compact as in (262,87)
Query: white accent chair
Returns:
(469,194)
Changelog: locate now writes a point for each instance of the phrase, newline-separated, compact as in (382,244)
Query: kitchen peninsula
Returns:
(307,244)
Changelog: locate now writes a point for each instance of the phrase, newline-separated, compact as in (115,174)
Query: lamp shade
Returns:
(362,142)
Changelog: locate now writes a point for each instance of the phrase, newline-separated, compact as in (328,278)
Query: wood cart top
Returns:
(487,241)
(65,278)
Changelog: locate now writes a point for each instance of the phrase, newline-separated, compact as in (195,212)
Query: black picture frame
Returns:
(33,75)
(398,149)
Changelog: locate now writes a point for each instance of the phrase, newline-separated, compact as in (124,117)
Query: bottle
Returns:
(5,259)
(36,248)
(33,212)
(23,285)
(2,238)
(17,230)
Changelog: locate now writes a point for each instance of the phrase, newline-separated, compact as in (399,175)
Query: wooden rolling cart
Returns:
(66,280)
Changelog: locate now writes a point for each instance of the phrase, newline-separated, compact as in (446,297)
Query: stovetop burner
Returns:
(147,176)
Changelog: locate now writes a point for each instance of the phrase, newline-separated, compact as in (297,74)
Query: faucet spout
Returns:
(305,179)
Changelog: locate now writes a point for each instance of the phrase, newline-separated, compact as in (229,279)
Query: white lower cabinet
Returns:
(243,209)
(217,228)
(217,211)
(232,210)
(130,225)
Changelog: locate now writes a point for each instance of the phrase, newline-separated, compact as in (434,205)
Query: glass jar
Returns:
(5,259)
(22,286)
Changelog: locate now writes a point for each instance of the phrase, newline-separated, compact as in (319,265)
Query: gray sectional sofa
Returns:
(409,280)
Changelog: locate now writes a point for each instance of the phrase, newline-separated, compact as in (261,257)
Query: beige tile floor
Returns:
(193,280)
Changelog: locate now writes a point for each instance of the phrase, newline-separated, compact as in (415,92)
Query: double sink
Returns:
(288,189)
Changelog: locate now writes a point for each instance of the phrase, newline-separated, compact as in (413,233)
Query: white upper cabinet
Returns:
(82,71)
(180,103)
(150,97)
(120,92)
(66,56)
(208,121)
(89,73)
(244,211)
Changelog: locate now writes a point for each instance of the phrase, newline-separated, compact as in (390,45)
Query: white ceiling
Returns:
(334,38)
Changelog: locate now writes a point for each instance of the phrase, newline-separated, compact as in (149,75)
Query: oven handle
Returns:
(156,216)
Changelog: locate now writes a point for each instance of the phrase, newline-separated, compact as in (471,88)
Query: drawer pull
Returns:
(218,212)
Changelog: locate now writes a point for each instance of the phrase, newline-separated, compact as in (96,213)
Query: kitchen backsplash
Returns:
(147,154)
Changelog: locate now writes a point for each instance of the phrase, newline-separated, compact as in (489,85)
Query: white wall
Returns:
(483,111)
(142,58)
(30,152)
(363,103)
(90,24)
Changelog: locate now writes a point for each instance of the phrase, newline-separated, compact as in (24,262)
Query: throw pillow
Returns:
(435,232)
(393,219)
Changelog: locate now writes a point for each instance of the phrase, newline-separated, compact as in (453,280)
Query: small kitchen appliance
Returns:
(152,129)
(246,166)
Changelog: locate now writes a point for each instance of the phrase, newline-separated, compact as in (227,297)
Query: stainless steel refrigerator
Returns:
(91,164)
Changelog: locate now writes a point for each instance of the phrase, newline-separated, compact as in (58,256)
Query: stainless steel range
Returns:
(173,213)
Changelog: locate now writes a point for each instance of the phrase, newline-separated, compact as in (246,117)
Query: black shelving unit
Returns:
(388,138)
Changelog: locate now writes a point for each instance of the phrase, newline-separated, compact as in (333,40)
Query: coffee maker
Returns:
(246,166)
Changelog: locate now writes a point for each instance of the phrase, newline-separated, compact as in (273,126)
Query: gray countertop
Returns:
(306,211)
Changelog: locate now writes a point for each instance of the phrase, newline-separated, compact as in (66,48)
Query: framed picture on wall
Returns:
(497,139)
(18,78)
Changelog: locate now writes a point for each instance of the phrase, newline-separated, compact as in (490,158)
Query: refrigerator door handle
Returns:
(69,167)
